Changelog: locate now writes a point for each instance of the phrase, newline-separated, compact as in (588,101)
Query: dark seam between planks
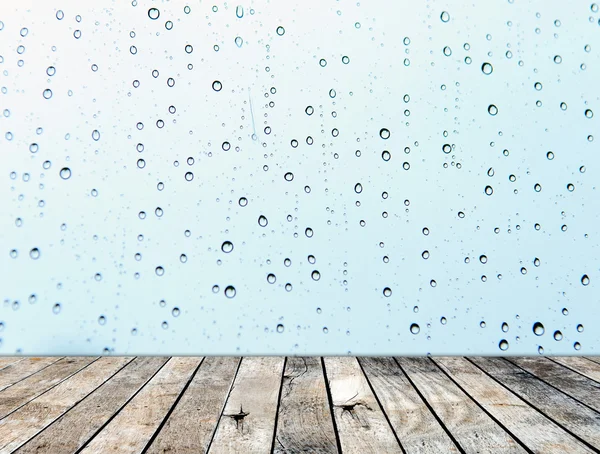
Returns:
(107,422)
(30,375)
(52,387)
(73,406)
(574,370)
(11,364)
(594,359)
(165,419)
(278,406)
(212,437)
(518,440)
(331,409)
(380,406)
(435,415)
(537,409)
(552,386)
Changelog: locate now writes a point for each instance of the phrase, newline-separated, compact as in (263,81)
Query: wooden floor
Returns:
(292,405)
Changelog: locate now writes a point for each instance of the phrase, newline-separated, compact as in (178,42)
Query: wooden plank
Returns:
(25,390)
(575,385)
(28,420)
(473,429)
(193,422)
(581,365)
(74,428)
(304,421)
(362,426)
(536,431)
(595,359)
(579,419)
(248,421)
(417,428)
(131,429)
(8,360)
(17,371)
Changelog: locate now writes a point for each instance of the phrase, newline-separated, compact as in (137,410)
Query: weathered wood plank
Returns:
(569,382)
(563,409)
(193,421)
(595,359)
(131,429)
(248,420)
(470,426)
(362,426)
(28,420)
(536,431)
(417,428)
(582,365)
(25,390)
(8,360)
(304,422)
(18,371)
(77,426)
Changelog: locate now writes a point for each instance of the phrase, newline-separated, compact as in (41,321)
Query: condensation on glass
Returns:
(365,178)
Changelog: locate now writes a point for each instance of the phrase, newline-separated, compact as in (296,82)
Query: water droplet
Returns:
(230,291)
(309,110)
(414,328)
(557,59)
(153,13)
(580,328)
(577,346)
(386,155)
(384,133)
(315,275)
(262,221)
(345,60)
(492,109)
(56,308)
(387,292)
(96,135)
(358,188)
(47,93)
(585,280)
(239,41)
(445,16)
(489,190)
(558,335)
(65,173)
(503,345)
(34,253)
(175,312)
(425,255)
(60,15)
(227,247)
(447,51)
(487,68)
(280,30)
(159,270)
(482,324)
(280,328)
(504,327)
(271,278)
(323,62)
(589,113)
(243,201)
(216,85)
(289,176)
(239,11)
(538,329)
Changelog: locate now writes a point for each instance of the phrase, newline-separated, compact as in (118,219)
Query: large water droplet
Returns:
(262,221)
(414,328)
(230,291)
(65,173)
(445,16)
(153,13)
(487,68)
(217,86)
(585,280)
(538,329)
(227,247)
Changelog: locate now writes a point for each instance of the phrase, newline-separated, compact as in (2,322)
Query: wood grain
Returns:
(471,427)
(8,360)
(536,431)
(362,425)
(29,388)
(566,411)
(304,422)
(248,420)
(417,428)
(193,421)
(131,429)
(28,420)
(20,370)
(69,433)
(581,365)
(569,382)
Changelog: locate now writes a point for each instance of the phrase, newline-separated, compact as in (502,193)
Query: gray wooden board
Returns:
(17,371)
(248,420)
(568,381)
(304,422)
(472,428)
(131,429)
(25,390)
(418,429)
(189,428)
(362,425)
(539,433)
(69,432)
(563,409)
(38,413)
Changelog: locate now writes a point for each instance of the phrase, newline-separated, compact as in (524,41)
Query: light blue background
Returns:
(394,49)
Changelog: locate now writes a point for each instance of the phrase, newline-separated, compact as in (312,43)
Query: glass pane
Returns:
(299,177)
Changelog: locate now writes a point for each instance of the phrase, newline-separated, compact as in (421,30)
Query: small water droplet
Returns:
(414,328)
(153,13)
(281,31)
(262,221)
(503,345)
(487,68)
(65,173)
(445,16)
(217,86)
(585,280)
(230,291)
